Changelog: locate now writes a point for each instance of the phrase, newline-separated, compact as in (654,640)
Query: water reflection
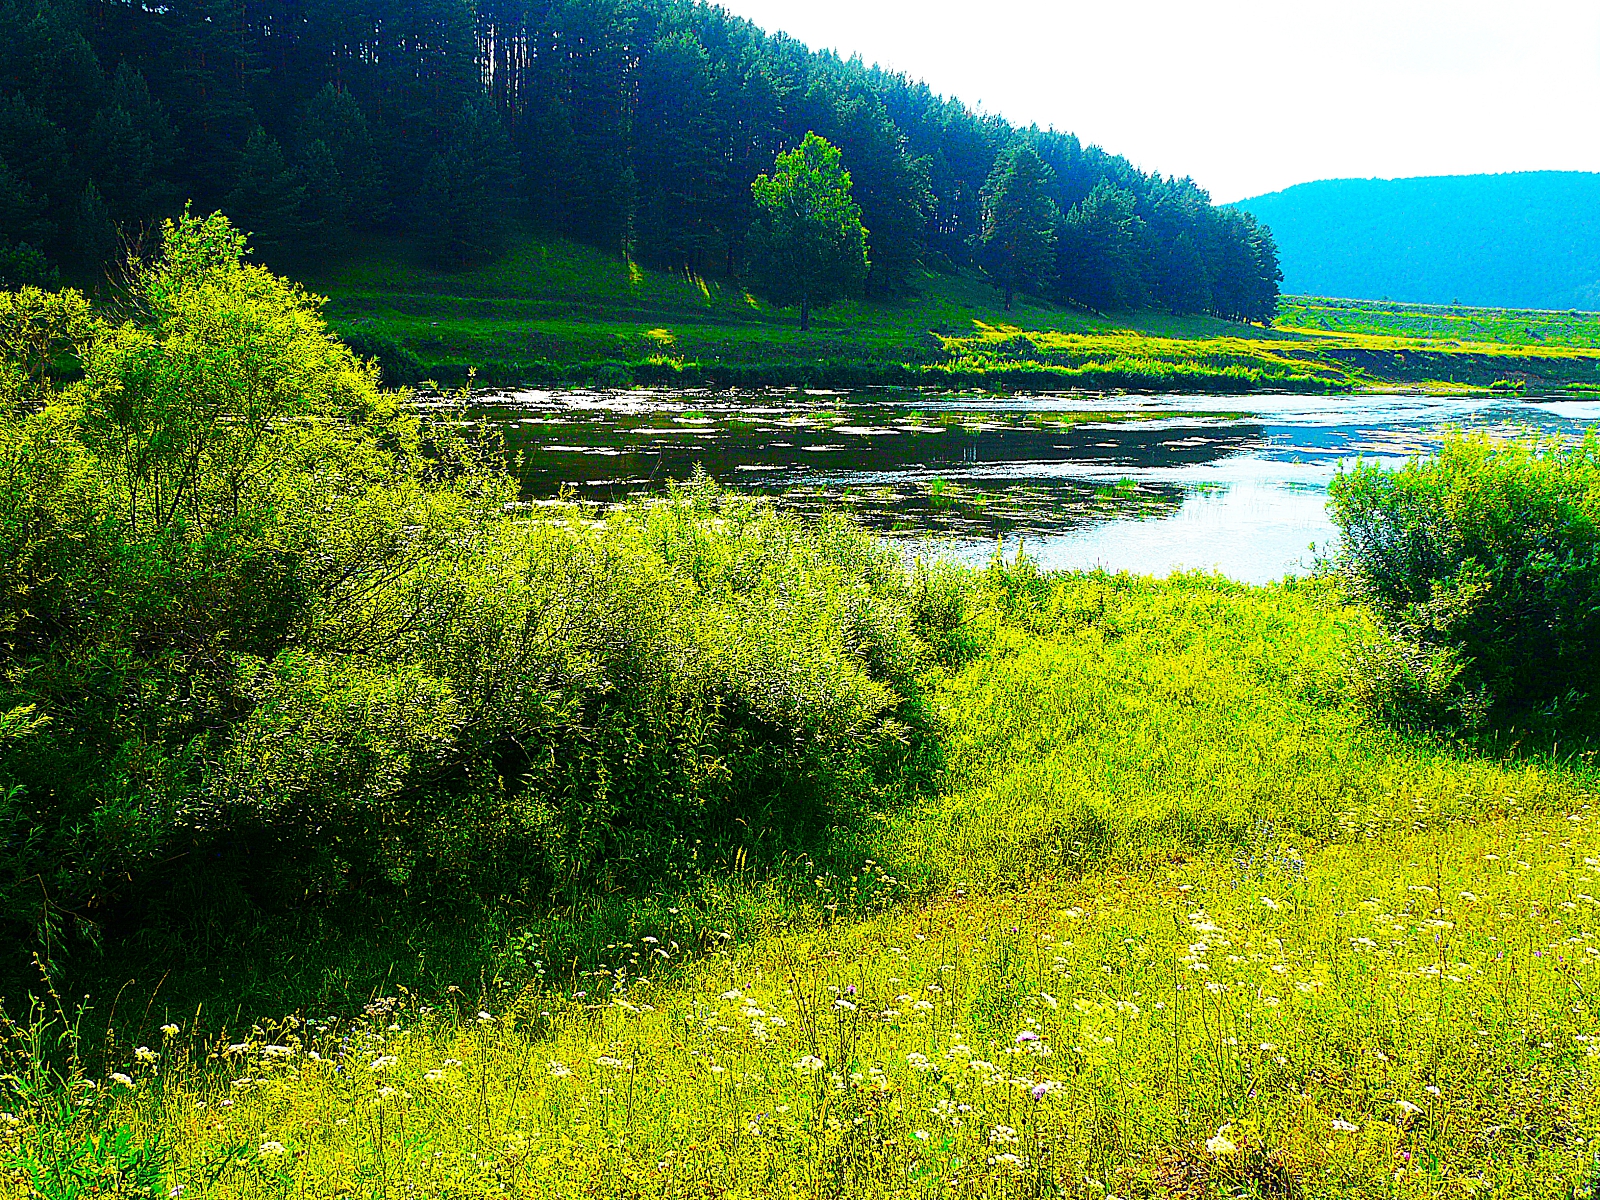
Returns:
(1235,483)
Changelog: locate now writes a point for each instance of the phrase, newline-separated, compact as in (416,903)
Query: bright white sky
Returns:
(1249,96)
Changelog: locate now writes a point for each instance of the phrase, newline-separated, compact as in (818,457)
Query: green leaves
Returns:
(1019,222)
(1490,551)
(808,245)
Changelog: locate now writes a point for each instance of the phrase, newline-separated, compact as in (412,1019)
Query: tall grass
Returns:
(1193,924)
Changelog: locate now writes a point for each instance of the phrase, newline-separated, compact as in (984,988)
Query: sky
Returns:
(1248,96)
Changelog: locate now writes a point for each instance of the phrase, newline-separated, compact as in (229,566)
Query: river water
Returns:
(1151,484)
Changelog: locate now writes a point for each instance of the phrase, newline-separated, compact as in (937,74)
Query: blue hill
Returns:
(1526,240)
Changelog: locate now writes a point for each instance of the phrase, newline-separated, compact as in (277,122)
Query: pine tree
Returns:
(94,234)
(130,148)
(1019,222)
(268,200)
(466,194)
(335,150)
(1100,265)
(808,245)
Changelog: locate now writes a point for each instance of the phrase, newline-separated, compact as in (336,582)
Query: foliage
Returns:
(808,246)
(1098,265)
(1487,559)
(1224,1001)
(634,127)
(274,645)
(1019,223)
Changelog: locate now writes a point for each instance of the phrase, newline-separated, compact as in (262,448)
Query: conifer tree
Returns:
(269,198)
(1100,265)
(462,205)
(1019,222)
(93,232)
(808,245)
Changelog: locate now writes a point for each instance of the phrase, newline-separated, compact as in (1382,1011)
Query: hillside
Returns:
(1529,240)
(558,312)
(634,126)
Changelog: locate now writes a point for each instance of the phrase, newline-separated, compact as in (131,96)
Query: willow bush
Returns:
(1484,564)
(273,640)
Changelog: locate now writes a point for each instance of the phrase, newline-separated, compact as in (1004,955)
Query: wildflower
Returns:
(383,1062)
(919,1062)
(124,1080)
(1431,1090)
(1344,1126)
(733,994)
(272,1150)
(1049,1000)
(846,1005)
(616,1064)
(433,1076)
(278,1051)
(810,1064)
(921,1135)
(1002,1135)
(1040,1090)
(484,1016)
(1271,903)
(1468,897)
(1221,1143)
(1027,1035)
(1006,1160)
(145,1055)
(1407,1107)
(169,1031)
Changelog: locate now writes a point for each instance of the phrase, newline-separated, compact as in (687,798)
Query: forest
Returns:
(636,126)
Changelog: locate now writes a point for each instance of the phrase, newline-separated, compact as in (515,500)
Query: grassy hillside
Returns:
(557,312)
(1529,240)
(1192,925)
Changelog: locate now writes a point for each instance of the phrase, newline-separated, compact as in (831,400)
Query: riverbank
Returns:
(554,313)
(1183,921)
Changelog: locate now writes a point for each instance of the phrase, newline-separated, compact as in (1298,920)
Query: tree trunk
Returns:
(805,313)
(1008,295)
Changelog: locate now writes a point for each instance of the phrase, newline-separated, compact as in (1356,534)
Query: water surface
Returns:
(1143,483)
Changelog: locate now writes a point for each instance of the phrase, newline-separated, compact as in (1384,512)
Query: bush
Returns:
(1484,563)
(272,641)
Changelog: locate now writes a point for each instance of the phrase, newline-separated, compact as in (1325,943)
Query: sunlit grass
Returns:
(1184,922)
(552,312)
(1412,1013)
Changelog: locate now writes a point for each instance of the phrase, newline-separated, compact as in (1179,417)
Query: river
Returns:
(1236,484)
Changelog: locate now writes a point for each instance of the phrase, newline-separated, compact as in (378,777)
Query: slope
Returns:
(1529,240)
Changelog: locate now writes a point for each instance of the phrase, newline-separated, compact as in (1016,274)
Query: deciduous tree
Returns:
(808,245)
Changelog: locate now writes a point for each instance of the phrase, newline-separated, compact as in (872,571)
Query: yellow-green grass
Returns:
(1406,1017)
(1184,922)
(553,311)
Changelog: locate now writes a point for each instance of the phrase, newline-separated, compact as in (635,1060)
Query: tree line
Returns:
(634,125)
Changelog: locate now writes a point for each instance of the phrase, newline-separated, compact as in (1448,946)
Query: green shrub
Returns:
(1484,563)
(271,642)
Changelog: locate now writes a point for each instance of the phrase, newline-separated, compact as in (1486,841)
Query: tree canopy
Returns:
(634,125)
(1019,223)
(808,244)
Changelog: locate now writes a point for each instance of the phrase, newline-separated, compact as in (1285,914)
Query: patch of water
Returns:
(1152,484)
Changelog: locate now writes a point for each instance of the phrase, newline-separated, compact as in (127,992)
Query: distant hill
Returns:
(1528,240)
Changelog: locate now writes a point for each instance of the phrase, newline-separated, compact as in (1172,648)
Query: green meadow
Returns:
(370,833)
(554,312)
(1181,920)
